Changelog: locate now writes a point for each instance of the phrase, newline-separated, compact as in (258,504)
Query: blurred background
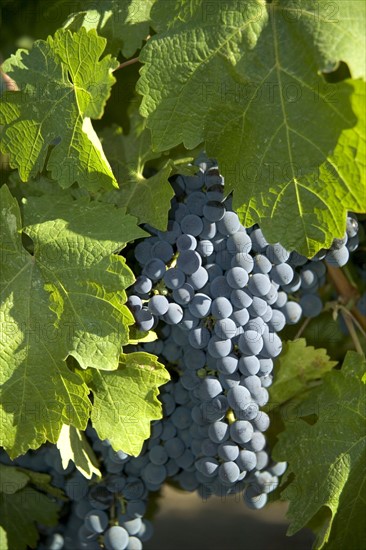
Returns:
(186,522)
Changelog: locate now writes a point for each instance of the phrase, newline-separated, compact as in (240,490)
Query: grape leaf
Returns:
(74,242)
(74,446)
(239,78)
(297,367)
(165,15)
(327,459)
(3,539)
(139,336)
(12,479)
(129,155)
(34,400)
(43,482)
(316,204)
(62,85)
(124,23)
(146,198)
(125,401)
(19,513)
(66,299)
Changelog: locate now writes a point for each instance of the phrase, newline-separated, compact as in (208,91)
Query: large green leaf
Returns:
(74,246)
(38,392)
(124,23)
(62,85)
(240,78)
(327,459)
(314,202)
(66,299)
(125,401)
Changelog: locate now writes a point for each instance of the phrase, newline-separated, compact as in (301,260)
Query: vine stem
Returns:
(302,328)
(347,292)
(351,329)
(130,61)
(127,63)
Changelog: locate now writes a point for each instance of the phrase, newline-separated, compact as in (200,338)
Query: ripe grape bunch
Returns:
(217,294)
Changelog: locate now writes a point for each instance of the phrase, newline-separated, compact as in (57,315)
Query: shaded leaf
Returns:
(19,513)
(327,459)
(124,23)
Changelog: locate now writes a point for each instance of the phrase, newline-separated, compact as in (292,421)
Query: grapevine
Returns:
(182,267)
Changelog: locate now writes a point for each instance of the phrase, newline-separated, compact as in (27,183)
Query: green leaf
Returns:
(12,479)
(3,539)
(125,401)
(43,482)
(74,446)
(241,81)
(128,155)
(166,15)
(21,505)
(315,204)
(138,336)
(66,299)
(62,85)
(19,513)
(34,401)
(296,370)
(74,241)
(327,459)
(124,23)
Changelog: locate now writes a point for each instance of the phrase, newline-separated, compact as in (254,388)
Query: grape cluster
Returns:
(216,289)
(217,294)
(100,514)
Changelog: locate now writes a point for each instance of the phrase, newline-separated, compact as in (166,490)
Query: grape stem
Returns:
(130,61)
(302,328)
(351,329)
(127,63)
(347,293)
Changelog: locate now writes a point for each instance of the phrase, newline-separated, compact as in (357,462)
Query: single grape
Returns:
(116,538)
(200,305)
(184,294)
(174,314)
(96,521)
(259,284)
(241,431)
(158,305)
(228,472)
(189,261)
(191,224)
(174,278)
(311,305)
(154,269)
(186,242)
